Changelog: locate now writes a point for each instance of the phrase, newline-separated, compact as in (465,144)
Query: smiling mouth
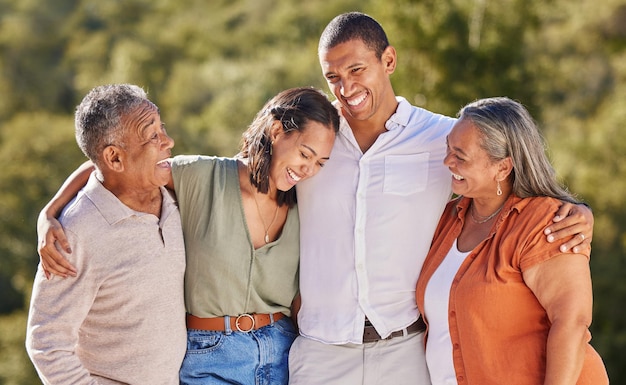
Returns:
(457,177)
(293,175)
(356,101)
(165,163)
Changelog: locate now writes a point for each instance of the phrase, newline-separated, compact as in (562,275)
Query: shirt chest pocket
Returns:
(406,174)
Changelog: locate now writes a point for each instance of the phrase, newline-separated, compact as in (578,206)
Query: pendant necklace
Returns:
(482,219)
(267,229)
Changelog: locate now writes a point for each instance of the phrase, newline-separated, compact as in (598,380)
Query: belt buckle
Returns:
(239,317)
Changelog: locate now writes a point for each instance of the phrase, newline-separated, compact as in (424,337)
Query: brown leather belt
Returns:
(371,335)
(242,323)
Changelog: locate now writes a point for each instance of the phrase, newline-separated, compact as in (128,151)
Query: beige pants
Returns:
(397,361)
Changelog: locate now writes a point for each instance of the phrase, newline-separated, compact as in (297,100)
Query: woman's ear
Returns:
(276,130)
(505,167)
(112,158)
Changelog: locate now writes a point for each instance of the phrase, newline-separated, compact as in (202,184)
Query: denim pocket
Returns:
(286,327)
(203,342)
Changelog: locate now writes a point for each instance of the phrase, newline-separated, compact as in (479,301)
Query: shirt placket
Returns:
(360,231)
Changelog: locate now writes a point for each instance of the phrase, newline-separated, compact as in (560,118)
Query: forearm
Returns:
(567,341)
(58,307)
(295,308)
(60,367)
(68,190)
(49,230)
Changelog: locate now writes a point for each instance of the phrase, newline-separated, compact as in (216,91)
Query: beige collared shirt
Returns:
(122,319)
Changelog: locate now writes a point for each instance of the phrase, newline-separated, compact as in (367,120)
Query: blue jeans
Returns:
(259,357)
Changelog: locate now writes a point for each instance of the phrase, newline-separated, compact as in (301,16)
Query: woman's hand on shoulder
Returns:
(50,235)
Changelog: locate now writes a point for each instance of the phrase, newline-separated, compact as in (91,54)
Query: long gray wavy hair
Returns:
(508,130)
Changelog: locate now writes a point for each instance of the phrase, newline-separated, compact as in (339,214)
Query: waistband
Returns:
(241,323)
(371,335)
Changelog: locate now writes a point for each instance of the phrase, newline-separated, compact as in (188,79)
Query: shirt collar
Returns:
(402,115)
(513,202)
(112,209)
(400,118)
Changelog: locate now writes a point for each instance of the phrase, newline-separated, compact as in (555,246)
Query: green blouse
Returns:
(225,275)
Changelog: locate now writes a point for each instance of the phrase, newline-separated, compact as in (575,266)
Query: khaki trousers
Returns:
(397,361)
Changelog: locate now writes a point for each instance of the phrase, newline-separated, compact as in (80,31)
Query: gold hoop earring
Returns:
(499,190)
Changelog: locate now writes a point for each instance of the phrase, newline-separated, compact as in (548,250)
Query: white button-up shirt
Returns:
(366,224)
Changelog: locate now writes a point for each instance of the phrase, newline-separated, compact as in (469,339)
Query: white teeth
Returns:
(457,177)
(293,175)
(357,101)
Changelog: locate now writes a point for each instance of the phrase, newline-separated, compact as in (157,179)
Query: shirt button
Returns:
(453,314)
(456,346)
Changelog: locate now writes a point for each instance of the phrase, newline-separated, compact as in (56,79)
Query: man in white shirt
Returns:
(367,221)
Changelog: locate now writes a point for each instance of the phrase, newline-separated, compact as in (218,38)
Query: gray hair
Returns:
(98,118)
(508,130)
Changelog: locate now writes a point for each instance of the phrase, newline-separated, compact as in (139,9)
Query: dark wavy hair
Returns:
(294,108)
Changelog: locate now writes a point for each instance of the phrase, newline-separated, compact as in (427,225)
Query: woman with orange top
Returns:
(502,305)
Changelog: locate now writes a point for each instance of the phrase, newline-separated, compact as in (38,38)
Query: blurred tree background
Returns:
(210,65)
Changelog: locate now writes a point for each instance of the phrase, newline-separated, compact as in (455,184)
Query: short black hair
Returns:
(352,26)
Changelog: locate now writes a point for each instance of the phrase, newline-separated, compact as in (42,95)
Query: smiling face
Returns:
(146,148)
(473,173)
(298,155)
(360,80)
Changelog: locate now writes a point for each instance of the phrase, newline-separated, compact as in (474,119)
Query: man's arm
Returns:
(573,223)
(295,309)
(58,308)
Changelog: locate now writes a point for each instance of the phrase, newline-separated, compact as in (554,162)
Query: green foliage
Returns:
(15,367)
(454,51)
(211,65)
(37,151)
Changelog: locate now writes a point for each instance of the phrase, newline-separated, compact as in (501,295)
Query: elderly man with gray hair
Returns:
(122,319)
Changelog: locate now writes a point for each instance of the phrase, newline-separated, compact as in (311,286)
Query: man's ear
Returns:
(389,59)
(112,158)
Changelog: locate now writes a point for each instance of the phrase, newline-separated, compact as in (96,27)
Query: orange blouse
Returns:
(498,328)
